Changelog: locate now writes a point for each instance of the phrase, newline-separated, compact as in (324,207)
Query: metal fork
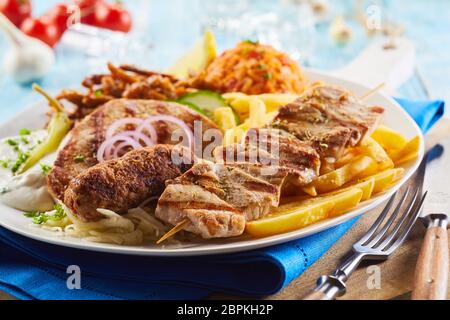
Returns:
(377,244)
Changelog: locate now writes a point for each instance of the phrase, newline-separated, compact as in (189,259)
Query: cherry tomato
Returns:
(42,29)
(16,10)
(113,16)
(59,16)
(88,8)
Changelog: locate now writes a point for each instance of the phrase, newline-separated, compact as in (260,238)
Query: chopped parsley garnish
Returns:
(24,140)
(5,163)
(98,93)
(12,142)
(253,42)
(24,132)
(45,168)
(23,157)
(262,66)
(79,158)
(42,217)
(268,76)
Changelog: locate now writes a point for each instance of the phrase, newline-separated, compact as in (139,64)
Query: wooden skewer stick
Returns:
(174,230)
(372,92)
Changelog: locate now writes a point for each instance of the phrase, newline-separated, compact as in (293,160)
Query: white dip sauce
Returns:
(28,191)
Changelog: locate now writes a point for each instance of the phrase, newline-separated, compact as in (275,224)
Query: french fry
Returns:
(367,186)
(285,220)
(342,201)
(310,190)
(345,201)
(274,101)
(326,167)
(229,97)
(225,118)
(384,180)
(406,158)
(241,105)
(235,135)
(388,138)
(350,155)
(257,111)
(300,212)
(411,149)
(359,168)
(370,147)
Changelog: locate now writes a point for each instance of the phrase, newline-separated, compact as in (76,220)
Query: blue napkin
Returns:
(35,270)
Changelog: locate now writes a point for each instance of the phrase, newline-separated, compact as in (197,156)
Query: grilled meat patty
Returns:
(125,183)
(90,133)
(216,199)
(329,119)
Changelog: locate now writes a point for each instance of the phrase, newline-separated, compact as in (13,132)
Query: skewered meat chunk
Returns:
(329,119)
(125,183)
(245,178)
(274,150)
(209,192)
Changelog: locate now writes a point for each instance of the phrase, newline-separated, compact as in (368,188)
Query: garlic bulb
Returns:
(340,31)
(28,59)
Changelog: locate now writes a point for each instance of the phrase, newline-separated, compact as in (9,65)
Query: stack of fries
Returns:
(362,173)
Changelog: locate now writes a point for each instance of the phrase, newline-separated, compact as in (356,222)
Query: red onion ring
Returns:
(109,143)
(151,131)
(120,123)
(136,139)
(138,136)
(180,123)
(116,150)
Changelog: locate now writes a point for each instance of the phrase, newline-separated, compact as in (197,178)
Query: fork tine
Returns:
(388,224)
(408,227)
(377,222)
(400,223)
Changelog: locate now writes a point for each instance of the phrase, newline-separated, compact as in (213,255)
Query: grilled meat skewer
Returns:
(328,119)
(318,126)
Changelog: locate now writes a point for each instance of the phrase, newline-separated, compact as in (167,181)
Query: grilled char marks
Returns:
(329,119)
(125,183)
(244,184)
(217,199)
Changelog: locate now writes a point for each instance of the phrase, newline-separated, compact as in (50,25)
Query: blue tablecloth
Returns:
(33,270)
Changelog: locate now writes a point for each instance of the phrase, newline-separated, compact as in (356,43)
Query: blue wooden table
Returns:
(171,26)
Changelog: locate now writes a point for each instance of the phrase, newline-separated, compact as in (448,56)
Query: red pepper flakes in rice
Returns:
(252,68)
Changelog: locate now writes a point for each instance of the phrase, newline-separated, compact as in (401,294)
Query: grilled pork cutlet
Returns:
(276,152)
(216,199)
(127,182)
(90,133)
(329,119)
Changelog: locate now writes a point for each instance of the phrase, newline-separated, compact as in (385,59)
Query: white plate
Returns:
(395,117)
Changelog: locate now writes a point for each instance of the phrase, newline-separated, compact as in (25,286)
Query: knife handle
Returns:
(431,274)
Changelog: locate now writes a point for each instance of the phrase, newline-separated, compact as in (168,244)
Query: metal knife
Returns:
(431,274)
